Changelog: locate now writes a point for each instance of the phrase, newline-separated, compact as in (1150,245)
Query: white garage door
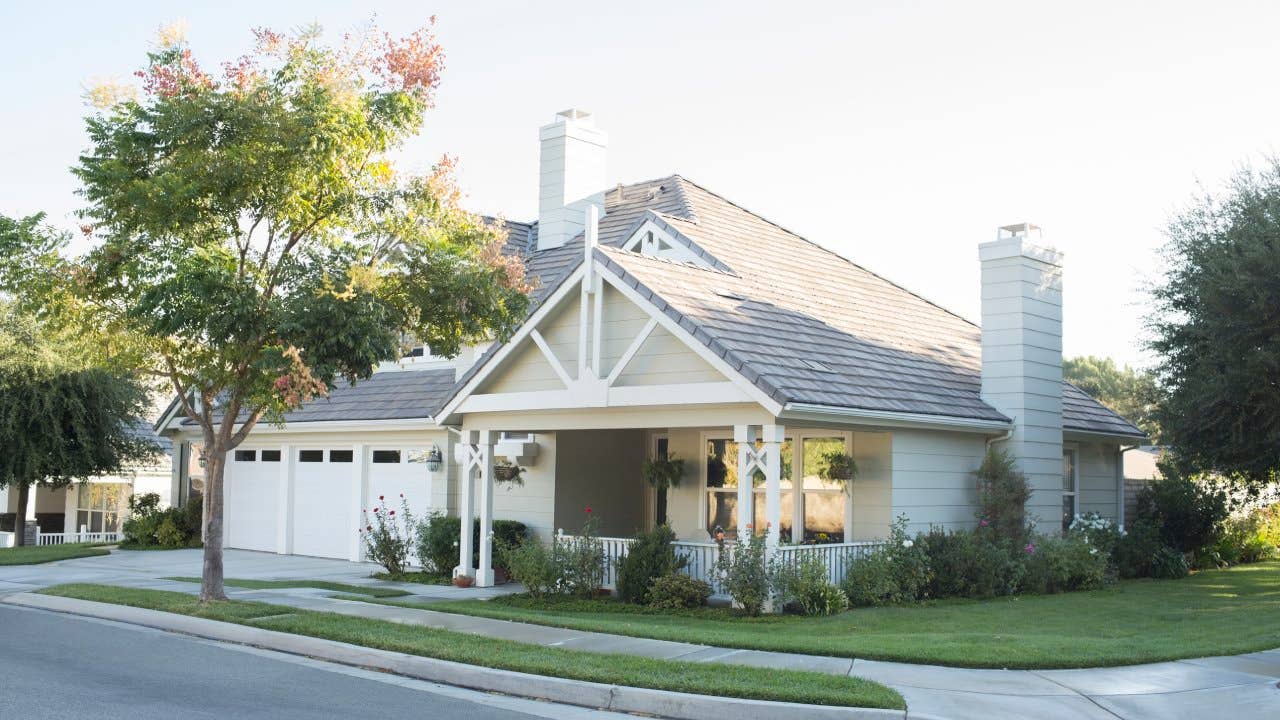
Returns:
(322,495)
(251,499)
(398,470)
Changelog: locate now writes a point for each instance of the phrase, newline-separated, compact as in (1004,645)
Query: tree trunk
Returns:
(211,580)
(20,519)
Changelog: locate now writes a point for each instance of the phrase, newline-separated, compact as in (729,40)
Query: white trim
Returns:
(625,396)
(316,426)
(1074,449)
(676,250)
(1085,434)
(886,418)
(551,356)
(631,351)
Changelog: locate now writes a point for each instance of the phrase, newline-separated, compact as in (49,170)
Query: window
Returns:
(98,506)
(246,455)
(1068,488)
(270,456)
(386,456)
(722,488)
(310,456)
(341,456)
(824,501)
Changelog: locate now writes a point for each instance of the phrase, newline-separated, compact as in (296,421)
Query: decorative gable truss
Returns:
(655,236)
(611,348)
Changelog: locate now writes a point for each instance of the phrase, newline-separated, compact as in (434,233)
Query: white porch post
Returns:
(359,491)
(745,437)
(484,578)
(465,452)
(284,511)
(772,436)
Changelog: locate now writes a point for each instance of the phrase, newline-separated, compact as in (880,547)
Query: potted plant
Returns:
(434,459)
(463,581)
(839,468)
(508,473)
(663,473)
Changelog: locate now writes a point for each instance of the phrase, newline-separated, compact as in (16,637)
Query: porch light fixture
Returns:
(435,459)
(203,460)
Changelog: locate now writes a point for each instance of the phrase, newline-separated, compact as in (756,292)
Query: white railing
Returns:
(701,557)
(44,538)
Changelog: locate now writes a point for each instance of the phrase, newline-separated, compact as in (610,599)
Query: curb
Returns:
(617,698)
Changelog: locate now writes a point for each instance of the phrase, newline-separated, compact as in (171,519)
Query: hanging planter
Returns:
(838,468)
(508,473)
(434,459)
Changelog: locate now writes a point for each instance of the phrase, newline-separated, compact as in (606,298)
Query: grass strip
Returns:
(377,592)
(687,677)
(1215,612)
(35,555)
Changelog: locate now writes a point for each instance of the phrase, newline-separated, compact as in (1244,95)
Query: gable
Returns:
(529,369)
(661,358)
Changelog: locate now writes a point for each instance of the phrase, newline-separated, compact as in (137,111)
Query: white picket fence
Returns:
(44,538)
(702,557)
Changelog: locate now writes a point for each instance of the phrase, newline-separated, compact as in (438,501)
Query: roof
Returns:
(141,429)
(392,395)
(803,324)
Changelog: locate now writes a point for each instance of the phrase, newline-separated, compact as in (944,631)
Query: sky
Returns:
(899,134)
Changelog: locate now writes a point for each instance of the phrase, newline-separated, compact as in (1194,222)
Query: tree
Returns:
(60,421)
(1216,327)
(255,240)
(1131,393)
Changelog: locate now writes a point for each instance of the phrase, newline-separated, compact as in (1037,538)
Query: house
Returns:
(97,505)
(670,321)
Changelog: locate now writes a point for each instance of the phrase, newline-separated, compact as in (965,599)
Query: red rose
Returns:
(393,512)
(401,494)
(369,528)
(381,498)
(588,508)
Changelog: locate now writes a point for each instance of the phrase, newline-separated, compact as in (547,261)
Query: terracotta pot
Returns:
(463,581)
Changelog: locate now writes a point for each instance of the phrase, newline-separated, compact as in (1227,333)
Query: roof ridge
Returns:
(829,251)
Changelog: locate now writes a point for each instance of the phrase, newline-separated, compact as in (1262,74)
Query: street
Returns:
(59,666)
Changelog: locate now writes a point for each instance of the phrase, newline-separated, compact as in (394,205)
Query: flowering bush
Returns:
(388,539)
(971,564)
(1096,531)
(1064,564)
(898,571)
(533,566)
(804,587)
(745,573)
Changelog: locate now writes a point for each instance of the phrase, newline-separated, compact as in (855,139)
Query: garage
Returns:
(322,493)
(394,471)
(252,499)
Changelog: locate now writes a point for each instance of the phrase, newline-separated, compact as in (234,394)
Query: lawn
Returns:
(702,678)
(35,555)
(377,592)
(1216,612)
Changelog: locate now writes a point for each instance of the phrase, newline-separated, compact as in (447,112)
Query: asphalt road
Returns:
(59,666)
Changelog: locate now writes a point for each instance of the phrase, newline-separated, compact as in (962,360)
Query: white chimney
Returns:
(570,177)
(1022,357)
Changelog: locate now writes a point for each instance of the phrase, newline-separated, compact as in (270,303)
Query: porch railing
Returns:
(703,556)
(44,538)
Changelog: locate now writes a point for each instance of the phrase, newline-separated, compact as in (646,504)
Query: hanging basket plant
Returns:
(838,468)
(663,473)
(507,473)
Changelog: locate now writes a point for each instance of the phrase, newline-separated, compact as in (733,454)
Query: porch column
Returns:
(745,437)
(484,578)
(465,454)
(772,451)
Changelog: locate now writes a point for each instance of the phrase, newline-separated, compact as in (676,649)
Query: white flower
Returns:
(1093,551)
(907,543)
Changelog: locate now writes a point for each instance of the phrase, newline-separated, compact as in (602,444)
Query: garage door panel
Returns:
(251,499)
(392,472)
(322,495)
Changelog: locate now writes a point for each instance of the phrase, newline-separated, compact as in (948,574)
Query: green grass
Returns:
(376,592)
(420,577)
(1216,612)
(701,678)
(34,555)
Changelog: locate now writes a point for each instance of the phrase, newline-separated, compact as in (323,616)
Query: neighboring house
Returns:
(95,505)
(669,320)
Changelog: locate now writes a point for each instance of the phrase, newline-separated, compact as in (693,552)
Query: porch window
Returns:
(98,506)
(1068,488)
(722,488)
(824,501)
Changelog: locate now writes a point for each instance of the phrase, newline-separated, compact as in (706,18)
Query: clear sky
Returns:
(900,134)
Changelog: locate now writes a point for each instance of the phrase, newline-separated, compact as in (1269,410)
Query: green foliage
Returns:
(1003,492)
(804,586)
(970,564)
(149,526)
(650,556)
(746,574)
(1131,393)
(581,560)
(438,536)
(1136,550)
(388,539)
(663,473)
(896,572)
(1169,564)
(677,591)
(1214,330)
(533,566)
(870,581)
(1188,513)
(838,467)
(1064,564)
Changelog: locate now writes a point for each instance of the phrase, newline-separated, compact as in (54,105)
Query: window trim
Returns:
(349,451)
(241,455)
(1074,449)
(401,455)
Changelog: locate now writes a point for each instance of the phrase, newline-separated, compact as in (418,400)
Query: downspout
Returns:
(999,438)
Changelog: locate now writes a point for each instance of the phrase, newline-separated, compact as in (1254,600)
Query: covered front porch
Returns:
(572,473)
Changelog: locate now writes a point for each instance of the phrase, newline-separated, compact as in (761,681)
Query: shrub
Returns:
(896,572)
(970,564)
(1097,531)
(531,565)
(745,574)
(168,534)
(387,539)
(804,587)
(437,541)
(676,591)
(581,561)
(1187,513)
(1136,548)
(149,527)
(870,581)
(1003,492)
(1064,564)
(650,556)
(1167,563)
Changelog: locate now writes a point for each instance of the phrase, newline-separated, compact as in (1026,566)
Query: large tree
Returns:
(1132,393)
(254,238)
(1216,328)
(60,420)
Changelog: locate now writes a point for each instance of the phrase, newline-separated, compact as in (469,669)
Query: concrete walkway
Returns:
(1242,687)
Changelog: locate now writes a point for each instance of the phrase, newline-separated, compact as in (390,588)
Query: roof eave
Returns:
(886,418)
(1138,438)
